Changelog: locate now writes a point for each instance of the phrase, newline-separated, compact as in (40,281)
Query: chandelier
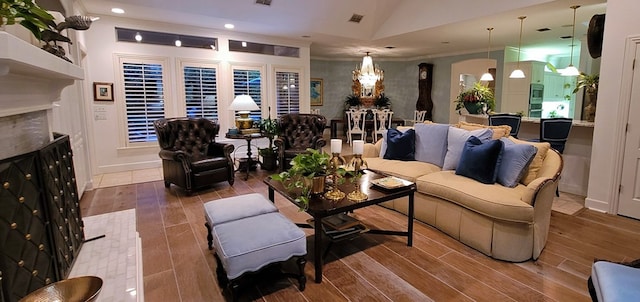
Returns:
(368,74)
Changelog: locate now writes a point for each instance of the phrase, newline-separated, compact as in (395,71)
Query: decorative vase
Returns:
(589,112)
(474,107)
(316,184)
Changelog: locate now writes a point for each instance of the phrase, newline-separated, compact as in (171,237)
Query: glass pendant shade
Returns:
(487,76)
(518,73)
(572,70)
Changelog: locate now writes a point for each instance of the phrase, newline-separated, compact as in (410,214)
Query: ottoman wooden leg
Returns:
(302,278)
(220,273)
(209,236)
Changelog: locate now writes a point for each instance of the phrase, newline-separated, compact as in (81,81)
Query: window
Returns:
(201,92)
(247,81)
(288,92)
(144,99)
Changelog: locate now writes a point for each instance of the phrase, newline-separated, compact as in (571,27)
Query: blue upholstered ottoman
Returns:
(615,282)
(234,208)
(249,234)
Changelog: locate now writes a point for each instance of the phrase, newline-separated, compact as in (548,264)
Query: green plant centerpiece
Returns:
(306,175)
(270,129)
(478,99)
(382,101)
(590,84)
(352,100)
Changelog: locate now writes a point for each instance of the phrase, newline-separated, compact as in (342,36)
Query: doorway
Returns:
(629,199)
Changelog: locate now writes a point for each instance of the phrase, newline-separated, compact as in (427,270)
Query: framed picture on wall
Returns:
(102,92)
(316,92)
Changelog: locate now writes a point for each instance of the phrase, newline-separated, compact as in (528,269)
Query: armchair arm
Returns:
(175,155)
(220,149)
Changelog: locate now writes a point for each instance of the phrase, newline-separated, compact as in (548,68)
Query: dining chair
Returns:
(512,120)
(356,124)
(418,116)
(555,131)
(381,122)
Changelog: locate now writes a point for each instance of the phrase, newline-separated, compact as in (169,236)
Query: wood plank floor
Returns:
(178,266)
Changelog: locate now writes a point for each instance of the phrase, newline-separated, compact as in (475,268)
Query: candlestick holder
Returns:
(358,163)
(334,163)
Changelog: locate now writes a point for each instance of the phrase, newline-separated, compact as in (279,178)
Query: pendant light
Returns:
(487,76)
(572,70)
(518,73)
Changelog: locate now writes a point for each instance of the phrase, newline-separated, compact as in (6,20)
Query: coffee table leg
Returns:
(317,243)
(272,195)
(410,222)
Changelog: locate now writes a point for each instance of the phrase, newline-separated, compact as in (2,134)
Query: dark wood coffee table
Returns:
(320,207)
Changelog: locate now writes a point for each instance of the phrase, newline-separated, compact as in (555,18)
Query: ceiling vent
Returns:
(543,29)
(264,2)
(356,18)
(565,37)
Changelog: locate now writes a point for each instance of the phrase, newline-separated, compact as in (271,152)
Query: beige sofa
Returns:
(505,223)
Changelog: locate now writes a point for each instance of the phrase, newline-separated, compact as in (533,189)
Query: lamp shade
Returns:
(517,74)
(486,77)
(570,71)
(243,102)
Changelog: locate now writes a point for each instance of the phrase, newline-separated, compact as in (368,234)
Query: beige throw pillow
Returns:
(498,131)
(536,163)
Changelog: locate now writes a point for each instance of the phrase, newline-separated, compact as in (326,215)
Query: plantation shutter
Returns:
(248,82)
(144,99)
(201,92)
(288,92)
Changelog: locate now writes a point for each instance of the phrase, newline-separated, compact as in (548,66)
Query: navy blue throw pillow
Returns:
(401,145)
(480,161)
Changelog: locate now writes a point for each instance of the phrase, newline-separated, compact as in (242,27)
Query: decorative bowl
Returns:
(80,289)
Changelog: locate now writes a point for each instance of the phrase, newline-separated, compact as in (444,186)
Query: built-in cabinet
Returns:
(515,92)
(41,230)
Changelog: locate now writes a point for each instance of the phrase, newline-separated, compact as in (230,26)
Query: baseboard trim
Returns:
(596,205)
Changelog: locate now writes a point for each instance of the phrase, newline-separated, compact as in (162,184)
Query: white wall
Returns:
(108,152)
(621,22)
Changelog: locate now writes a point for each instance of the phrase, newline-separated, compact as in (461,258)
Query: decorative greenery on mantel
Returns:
(26,13)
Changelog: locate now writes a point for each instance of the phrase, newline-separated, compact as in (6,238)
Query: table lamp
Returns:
(243,104)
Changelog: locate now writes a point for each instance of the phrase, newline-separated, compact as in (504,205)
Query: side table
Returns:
(249,160)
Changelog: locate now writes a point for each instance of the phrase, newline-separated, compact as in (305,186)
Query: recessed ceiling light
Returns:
(178,43)
(244,44)
(229,26)
(138,37)
(117,10)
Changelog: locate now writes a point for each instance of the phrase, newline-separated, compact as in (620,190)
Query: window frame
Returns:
(181,64)
(263,88)
(276,89)
(121,103)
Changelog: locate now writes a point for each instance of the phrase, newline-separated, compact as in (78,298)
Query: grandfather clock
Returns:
(425,83)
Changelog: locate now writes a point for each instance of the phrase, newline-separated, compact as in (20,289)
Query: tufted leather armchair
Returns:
(191,158)
(297,133)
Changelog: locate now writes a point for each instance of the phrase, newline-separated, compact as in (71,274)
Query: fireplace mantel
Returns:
(31,79)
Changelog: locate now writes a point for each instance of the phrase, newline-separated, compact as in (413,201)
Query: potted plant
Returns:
(270,129)
(26,13)
(306,175)
(477,100)
(382,101)
(352,100)
(590,84)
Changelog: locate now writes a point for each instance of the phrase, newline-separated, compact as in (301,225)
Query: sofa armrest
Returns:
(370,150)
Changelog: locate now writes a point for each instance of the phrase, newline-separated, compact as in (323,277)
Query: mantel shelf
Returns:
(30,78)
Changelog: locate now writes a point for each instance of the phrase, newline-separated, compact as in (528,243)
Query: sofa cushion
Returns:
(480,161)
(536,163)
(499,131)
(383,145)
(431,142)
(515,162)
(409,170)
(492,200)
(456,139)
(400,145)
